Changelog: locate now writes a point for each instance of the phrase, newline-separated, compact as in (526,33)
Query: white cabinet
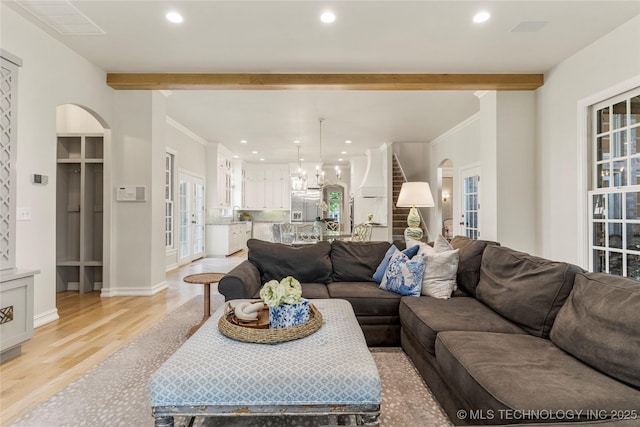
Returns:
(224,177)
(16,311)
(267,187)
(226,239)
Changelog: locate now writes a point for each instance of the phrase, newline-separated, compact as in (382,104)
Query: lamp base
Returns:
(413,233)
(413,221)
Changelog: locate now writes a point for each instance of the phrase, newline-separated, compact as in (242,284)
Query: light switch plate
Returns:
(23,214)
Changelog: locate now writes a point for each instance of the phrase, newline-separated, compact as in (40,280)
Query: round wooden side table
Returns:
(205,279)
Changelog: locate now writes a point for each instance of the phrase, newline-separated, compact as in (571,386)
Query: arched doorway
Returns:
(445,197)
(82,210)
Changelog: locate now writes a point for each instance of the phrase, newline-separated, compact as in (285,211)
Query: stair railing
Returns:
(404,179)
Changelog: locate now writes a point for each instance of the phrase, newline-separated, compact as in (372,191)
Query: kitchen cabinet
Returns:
(267,187)
(224,177)
(226,239)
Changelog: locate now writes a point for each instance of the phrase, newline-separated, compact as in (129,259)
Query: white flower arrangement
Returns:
(287,291)
(286,306)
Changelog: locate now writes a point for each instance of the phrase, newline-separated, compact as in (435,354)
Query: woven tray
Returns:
(270,336)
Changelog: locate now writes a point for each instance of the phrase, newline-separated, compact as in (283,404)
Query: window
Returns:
(614,199)
(168,200)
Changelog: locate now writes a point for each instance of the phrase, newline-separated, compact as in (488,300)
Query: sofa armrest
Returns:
(241,282)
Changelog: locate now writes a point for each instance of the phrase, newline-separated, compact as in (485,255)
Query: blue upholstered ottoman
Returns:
(329,373)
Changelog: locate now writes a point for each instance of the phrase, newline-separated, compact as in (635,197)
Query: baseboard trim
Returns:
(134,292)
(46,317)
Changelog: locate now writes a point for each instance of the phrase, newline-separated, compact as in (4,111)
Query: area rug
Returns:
(114,393)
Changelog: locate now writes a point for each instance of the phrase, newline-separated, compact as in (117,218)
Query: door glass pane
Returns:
(598,206)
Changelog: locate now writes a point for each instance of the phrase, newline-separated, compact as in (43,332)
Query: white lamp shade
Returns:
(415,194)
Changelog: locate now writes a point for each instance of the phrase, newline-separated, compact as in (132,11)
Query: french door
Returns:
(191,189)
(470,220)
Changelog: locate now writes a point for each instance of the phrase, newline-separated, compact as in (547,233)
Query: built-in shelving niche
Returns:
(79,212)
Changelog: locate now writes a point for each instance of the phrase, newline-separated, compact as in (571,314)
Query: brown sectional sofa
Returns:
(523,339)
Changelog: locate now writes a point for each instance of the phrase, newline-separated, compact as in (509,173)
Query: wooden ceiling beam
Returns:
(179,81)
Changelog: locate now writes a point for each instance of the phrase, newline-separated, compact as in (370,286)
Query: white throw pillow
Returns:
(439,278)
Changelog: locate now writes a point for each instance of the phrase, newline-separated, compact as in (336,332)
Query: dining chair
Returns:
(287,233)
(361,233)
(333,226)
(308,233)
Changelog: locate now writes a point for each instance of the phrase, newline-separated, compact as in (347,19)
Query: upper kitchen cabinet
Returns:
(224,168)
(266,186)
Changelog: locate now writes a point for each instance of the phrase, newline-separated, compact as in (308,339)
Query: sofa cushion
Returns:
(308,263)
(356,261)
(366,298)
(470,255)
(525,289)
(503,372)
(425,317)
(600,325)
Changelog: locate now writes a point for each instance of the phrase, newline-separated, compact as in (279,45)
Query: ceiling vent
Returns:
(62,16)
(529,26)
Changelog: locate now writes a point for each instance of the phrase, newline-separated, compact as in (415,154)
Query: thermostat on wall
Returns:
(131,193)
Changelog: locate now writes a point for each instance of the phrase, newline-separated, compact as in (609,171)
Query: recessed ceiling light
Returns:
(235,156)
(262,160)
(328,17)
(243,141)
(301,159)
(340,160)
(348,141)
(296,142)
(174,17)
(343,152)
(254,152)
(481,17)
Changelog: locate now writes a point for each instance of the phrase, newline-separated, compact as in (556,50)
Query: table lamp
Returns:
(414,194)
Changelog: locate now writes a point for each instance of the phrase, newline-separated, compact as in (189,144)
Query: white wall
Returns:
(461,145)
(139,148)
(609,61)
(51,75)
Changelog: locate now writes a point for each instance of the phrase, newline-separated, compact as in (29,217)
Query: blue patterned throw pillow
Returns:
(379,274)
(404,274)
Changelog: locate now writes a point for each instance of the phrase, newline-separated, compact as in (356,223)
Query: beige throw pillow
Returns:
(440,270)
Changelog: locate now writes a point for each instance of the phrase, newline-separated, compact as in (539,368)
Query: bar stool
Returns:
(205,279)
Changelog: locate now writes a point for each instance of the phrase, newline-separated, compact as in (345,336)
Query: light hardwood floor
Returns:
(89,330)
